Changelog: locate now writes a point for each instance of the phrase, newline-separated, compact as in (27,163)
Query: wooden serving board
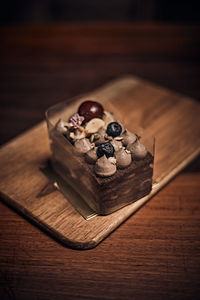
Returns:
(172,118)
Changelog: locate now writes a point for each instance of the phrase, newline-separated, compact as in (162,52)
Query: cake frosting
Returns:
(101,139)
(123,158)
(101,136)
(104,167)
(137,150)
(128,137)
(83,145)
(116,144)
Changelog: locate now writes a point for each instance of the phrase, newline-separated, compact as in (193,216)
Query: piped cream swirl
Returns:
(61,126)
(83,145)
(138,150)
(104,167)
(116,144)
(128,137)
(123,158)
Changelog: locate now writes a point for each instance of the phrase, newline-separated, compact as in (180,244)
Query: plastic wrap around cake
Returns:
(109,165)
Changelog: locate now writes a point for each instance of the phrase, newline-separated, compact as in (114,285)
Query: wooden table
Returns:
(155,253)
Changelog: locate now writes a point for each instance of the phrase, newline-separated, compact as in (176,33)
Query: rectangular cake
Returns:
(105,163)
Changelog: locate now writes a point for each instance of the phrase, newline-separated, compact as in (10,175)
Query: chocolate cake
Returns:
(103,161)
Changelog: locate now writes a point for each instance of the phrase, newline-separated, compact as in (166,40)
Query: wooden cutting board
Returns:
(172,118)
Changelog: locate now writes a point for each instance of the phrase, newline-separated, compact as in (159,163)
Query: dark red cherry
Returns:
(90,110)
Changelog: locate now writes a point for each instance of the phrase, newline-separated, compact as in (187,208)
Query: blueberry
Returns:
(114,129)
(106,149)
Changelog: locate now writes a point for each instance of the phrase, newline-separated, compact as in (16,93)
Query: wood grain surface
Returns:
(151,256)
(171,118)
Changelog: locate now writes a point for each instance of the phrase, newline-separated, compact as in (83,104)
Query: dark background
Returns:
(53,50)
(37,11)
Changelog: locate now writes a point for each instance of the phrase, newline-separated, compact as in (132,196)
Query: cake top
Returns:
(101,139)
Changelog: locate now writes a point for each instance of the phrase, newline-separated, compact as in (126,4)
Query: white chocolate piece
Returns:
(94,125)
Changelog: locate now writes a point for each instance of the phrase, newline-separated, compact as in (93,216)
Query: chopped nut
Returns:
(81,128)
(118,138)
(92,145)
(77,134)
(96,136)
(92,138)
(107,137)
(127,151)
(72,135)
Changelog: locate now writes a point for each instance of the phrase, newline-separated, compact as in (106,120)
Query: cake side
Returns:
(72,168)
(125,186)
